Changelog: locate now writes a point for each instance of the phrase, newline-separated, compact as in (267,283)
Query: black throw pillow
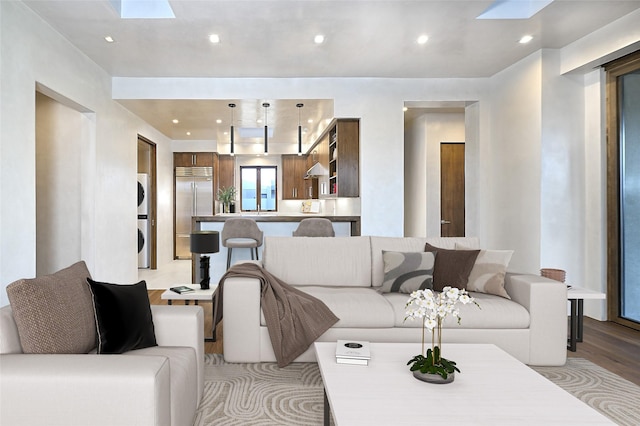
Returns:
(123,317)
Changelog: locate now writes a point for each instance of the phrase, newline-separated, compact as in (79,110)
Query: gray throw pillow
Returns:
(54,313)
(407,272)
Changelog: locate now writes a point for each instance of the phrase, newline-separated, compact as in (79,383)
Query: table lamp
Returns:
(205,242)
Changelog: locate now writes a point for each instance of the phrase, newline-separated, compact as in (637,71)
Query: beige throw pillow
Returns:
(489,270)
(54,313)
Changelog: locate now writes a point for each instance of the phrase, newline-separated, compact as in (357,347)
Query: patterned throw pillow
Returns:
(487,275)
(123,317)
(407,272)
(452,267)
(54,313)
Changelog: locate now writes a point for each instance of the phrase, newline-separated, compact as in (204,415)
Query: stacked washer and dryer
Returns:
(143,220)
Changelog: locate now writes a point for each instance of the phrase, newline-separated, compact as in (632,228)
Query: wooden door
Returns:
(452,213)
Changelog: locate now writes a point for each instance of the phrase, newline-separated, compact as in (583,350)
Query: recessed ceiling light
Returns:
(218,121)
(175,121)
(526,39)
(188,133)
(214,38)
(259,120)
(109,39)
(423,39)
(310,120)
(318,39)
(405,109)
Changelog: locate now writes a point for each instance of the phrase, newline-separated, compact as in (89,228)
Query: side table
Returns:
(208,295)
(576,296)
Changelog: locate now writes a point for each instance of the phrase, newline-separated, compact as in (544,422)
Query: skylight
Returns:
(254,132)
(514,9)
(143,9)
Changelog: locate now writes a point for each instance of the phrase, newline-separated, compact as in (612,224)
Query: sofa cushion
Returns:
(452,267)
(54,313)
(356,307)
(407,272)
(327,261)
(489,270)
(494,313)
(123,317)
(183,378)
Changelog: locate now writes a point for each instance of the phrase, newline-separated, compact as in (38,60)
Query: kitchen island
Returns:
(272,224)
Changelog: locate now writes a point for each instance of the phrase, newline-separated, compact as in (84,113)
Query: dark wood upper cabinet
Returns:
(339,152)
(294,186)
(193,159)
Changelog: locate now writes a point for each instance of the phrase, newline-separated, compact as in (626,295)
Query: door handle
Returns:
(445,222)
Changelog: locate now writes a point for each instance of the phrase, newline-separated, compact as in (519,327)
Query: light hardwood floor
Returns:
(607,344)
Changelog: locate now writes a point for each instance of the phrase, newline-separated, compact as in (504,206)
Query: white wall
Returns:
(512,201)
(61,132)
(377,102)
(595,210)
(563,169)
(415,178)
(109,221)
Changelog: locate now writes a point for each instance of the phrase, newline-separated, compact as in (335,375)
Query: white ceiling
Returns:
(265,38)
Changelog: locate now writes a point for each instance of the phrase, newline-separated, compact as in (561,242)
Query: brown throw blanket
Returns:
(294,318)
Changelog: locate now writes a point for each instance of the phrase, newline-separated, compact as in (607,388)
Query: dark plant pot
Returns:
(434,378)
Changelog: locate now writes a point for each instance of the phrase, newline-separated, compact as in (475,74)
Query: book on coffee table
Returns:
(353,352)
(182,289)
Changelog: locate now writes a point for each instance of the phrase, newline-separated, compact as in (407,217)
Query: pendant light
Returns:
(266,129)
(231,133)
(299,106)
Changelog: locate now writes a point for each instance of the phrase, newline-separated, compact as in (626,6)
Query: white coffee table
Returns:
(576,296)
(493,388)
(208,295)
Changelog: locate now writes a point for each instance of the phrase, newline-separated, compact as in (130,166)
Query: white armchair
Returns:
(160,385)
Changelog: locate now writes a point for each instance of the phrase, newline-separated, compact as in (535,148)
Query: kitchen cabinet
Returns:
(344,153)
(294,186)
(226,171)
(338,150)
(193,159)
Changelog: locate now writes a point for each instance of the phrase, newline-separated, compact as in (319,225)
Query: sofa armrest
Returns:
(241,319)
(181,326)
(71,390)
(546,301)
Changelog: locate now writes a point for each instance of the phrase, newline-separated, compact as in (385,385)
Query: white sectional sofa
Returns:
(346,274)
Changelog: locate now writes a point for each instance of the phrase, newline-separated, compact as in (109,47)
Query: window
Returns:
(623,295)
(256,180)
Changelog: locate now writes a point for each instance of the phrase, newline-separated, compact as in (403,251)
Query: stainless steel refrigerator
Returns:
(194,197)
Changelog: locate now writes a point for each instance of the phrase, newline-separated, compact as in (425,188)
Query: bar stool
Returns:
(315,227)
(241,233)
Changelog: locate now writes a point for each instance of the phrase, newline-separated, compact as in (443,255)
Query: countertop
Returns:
(277,217)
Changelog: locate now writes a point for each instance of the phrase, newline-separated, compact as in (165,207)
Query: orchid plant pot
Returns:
(432,308)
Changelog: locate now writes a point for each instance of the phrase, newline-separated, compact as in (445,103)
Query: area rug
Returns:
(603,390)
(262,394)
